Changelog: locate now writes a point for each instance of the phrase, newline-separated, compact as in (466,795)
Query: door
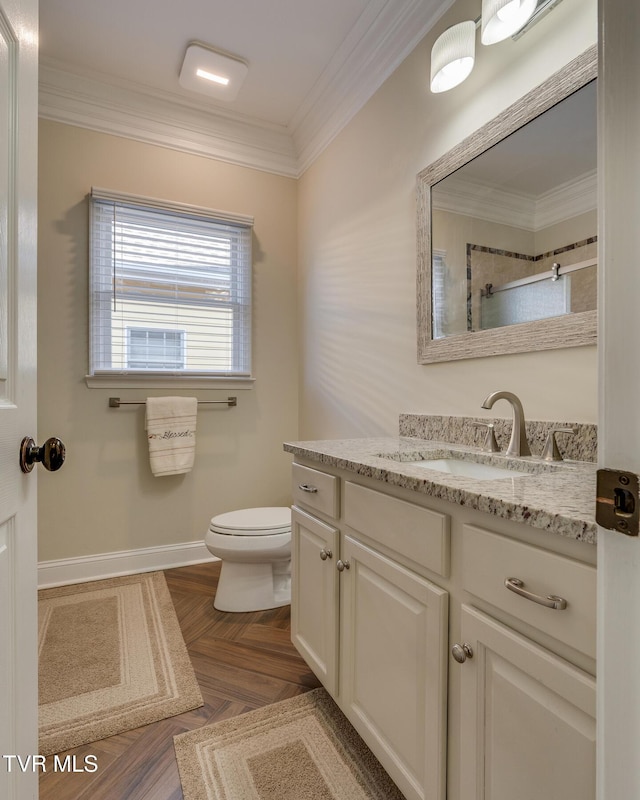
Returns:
(619,399)
(18,180)
(393,674)
(528,729)
(314,595)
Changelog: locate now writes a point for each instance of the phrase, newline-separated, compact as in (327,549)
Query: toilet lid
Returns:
(253,521)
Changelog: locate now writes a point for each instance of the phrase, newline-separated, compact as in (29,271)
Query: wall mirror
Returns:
(507,228)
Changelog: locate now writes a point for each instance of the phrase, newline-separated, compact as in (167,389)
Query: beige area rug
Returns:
(111,658)
(298,749)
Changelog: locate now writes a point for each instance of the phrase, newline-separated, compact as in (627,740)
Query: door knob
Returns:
(50,455)
(461,652)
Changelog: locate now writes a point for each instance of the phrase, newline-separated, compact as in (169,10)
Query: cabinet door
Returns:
(393,667)
(528,727)
(314,595)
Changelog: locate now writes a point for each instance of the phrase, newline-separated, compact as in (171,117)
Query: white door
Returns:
(619,401)
(314,595)
(18,179)
(393,667)
(529,726)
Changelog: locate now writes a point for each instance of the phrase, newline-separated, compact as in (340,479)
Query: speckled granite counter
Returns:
(558,498)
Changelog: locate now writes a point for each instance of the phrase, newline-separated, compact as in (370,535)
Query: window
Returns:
(438,294)
(170,289)
(154,349)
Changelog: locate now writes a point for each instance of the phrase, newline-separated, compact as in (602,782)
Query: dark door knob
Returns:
(50,455)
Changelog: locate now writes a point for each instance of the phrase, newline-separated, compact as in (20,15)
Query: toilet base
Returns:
(253,587)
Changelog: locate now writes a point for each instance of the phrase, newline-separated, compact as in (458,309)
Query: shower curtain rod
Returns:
(553,274)
(115,402)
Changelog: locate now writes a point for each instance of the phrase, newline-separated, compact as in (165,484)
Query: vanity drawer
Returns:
(413,531)
(490,559)
(316,490)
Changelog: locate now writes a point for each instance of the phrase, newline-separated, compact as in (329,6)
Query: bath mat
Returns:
(111,658)
(296,749)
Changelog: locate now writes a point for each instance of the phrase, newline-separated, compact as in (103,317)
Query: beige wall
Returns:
(105,498)
(357,247)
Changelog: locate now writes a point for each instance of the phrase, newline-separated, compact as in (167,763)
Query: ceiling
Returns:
(555,149)
(312,63)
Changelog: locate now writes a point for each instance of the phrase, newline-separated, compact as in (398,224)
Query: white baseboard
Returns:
(126,562)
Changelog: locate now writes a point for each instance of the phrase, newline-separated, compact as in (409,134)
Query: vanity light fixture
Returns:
(453,56)
(212,72)
(453,53)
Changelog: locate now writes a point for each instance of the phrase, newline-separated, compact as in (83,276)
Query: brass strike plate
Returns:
(617,505)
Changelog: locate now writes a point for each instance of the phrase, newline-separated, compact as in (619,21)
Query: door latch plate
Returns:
(617,505)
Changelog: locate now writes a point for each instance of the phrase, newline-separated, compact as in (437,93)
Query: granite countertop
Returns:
(557,497)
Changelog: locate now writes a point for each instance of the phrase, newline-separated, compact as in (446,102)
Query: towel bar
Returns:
(115,402)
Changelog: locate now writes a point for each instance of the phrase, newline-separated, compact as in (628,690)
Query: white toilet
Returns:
(254,545)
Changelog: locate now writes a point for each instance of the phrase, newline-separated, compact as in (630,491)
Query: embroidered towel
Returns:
(171,431)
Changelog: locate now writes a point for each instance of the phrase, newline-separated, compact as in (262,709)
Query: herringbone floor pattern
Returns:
(242,661)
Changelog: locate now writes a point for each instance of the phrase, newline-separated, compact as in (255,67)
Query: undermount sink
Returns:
(479,466)
(468,469)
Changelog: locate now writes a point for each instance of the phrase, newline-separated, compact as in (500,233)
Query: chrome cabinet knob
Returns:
(51,455)
(342,565)
(461,652)
(325,554)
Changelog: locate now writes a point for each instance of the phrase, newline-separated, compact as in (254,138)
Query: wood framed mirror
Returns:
(507,228)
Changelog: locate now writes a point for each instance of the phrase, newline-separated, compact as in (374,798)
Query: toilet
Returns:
(254,545)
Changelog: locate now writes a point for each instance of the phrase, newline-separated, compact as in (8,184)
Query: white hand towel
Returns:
(171,431)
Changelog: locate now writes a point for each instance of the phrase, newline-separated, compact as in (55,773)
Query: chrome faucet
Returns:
(518,444)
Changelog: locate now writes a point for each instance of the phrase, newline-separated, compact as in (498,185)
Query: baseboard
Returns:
(126,562)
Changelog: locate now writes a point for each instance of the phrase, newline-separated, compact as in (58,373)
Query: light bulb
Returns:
(503,18)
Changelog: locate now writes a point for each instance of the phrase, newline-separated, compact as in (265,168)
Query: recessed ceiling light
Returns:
(212,72)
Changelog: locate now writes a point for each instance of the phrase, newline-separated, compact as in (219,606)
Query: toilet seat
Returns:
(268,521)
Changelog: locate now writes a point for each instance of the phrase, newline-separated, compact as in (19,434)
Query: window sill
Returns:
(121,381)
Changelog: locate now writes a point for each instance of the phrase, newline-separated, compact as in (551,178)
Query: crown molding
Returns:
(566,201)
(487,203)
(387,31)
(123,109)
(357,71)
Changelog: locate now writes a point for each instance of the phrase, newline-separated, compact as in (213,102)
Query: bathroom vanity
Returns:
(451,617)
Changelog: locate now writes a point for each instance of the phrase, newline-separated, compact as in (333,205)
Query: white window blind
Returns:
(438,300)
(170,289)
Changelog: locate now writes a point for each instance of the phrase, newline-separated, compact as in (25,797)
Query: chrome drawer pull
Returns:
(306,488)
(550,601)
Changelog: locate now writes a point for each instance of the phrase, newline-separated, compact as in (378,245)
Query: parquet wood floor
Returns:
(242,661)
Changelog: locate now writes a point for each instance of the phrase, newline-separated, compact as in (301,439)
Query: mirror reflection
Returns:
(514,231)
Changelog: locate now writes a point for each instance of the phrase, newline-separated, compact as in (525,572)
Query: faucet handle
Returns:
(550,451)
(490,445)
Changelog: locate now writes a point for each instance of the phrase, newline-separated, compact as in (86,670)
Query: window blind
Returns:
(438,301)
(170,289)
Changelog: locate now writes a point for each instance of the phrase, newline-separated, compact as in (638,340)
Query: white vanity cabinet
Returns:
(385,582)
(374,630)
(393,656)
(314,595)
(528,727)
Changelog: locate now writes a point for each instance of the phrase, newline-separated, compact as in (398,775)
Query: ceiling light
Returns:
(452,56)
(209,76)
(503,18)
(212,72)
